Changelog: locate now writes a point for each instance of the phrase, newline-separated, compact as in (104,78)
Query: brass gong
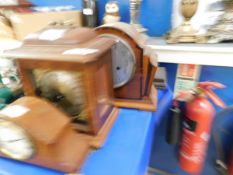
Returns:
(65,90)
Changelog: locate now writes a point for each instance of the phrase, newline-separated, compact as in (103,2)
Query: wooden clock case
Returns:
(57,145)
(89,52)
(22,6)
(139,93)
(77,49)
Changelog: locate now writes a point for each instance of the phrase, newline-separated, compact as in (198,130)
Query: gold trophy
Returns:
(134,15)
(185,33)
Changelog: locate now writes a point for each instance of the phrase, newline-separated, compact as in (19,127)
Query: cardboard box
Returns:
(24,24)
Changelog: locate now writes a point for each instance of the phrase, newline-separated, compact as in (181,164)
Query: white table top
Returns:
(201,54)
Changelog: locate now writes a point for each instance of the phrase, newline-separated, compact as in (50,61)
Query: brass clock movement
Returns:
(134,66)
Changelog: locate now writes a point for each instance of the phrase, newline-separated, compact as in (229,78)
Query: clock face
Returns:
(14,142)
(124,63)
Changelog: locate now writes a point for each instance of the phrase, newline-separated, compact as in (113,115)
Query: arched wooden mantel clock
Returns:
(134,67)
(72,69)
(34,131)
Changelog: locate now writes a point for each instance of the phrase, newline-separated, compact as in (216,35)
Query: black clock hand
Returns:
(11,141)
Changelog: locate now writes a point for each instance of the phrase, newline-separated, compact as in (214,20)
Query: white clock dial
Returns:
(14,142)
(123,63)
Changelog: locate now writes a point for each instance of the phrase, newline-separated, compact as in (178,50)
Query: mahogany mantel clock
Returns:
(134,67)
(71,67)
(51,141)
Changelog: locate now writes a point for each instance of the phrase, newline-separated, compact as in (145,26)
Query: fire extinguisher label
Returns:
(189,124)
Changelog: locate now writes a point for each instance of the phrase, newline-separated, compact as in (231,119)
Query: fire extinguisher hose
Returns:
(220,161)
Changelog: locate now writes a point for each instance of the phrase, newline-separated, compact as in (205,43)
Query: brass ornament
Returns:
(134,15)
(185,33)
(223,29)
(112,13)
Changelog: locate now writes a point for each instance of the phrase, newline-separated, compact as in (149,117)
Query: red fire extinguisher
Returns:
(199,113)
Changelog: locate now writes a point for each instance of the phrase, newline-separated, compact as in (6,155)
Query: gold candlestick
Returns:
(134,15)
(185,33)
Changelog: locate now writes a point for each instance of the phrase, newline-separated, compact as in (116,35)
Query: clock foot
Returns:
(99,139)
(147,104)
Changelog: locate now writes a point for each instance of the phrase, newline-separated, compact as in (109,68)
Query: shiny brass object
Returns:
(65,90)
(223,29)
(134,15)
(185,33)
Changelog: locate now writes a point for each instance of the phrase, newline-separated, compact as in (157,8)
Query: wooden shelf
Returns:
(200,54)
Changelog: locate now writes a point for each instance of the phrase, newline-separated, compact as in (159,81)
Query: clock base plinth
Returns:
(147,103)
(98,140)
